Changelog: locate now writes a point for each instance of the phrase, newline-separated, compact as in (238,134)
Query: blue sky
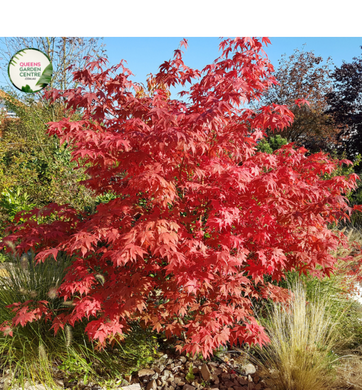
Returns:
(145,54)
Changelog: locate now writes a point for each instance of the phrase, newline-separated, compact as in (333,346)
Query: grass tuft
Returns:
(302,339)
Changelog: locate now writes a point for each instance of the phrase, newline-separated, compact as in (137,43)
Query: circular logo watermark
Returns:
(30,70)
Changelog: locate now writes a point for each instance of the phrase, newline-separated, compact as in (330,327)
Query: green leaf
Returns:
(27,89)
(13,62)
(46,76)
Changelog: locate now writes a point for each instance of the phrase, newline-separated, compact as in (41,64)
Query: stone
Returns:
(183,359)
(152,385)
(178,381)
(216,371)
(37,387)
(170,379)
(176,368)
(188,387)
(145,372)
(166,374)
(249,369)
(242,381)
(136,386)
(156,369)
(229,384)
(216,380)
(205,372)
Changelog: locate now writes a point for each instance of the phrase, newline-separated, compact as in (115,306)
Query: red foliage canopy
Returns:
(200,218)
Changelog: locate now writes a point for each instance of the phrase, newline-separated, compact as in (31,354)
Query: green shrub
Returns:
(35,169)
(271,144)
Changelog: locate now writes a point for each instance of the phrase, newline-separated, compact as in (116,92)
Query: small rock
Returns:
(242,381)
(145,372)
(183,359)
(136,386)
(166,374)
(216,380)
(176,368)
(98,387)
(170,379)
(216,371)
(178,380)
(188,387)
(229,384)
(152,385)
(249,369)
(156,369)
(213,364)
(196,370)
(205,372)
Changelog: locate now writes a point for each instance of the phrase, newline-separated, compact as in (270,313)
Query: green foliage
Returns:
(344,169)
(137,349)
(34,169)
(355,196)
(46,76)
(75,365)
(271,144)
(14,200)
(190,374)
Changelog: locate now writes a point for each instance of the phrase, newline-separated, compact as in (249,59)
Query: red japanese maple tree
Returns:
(199,216)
